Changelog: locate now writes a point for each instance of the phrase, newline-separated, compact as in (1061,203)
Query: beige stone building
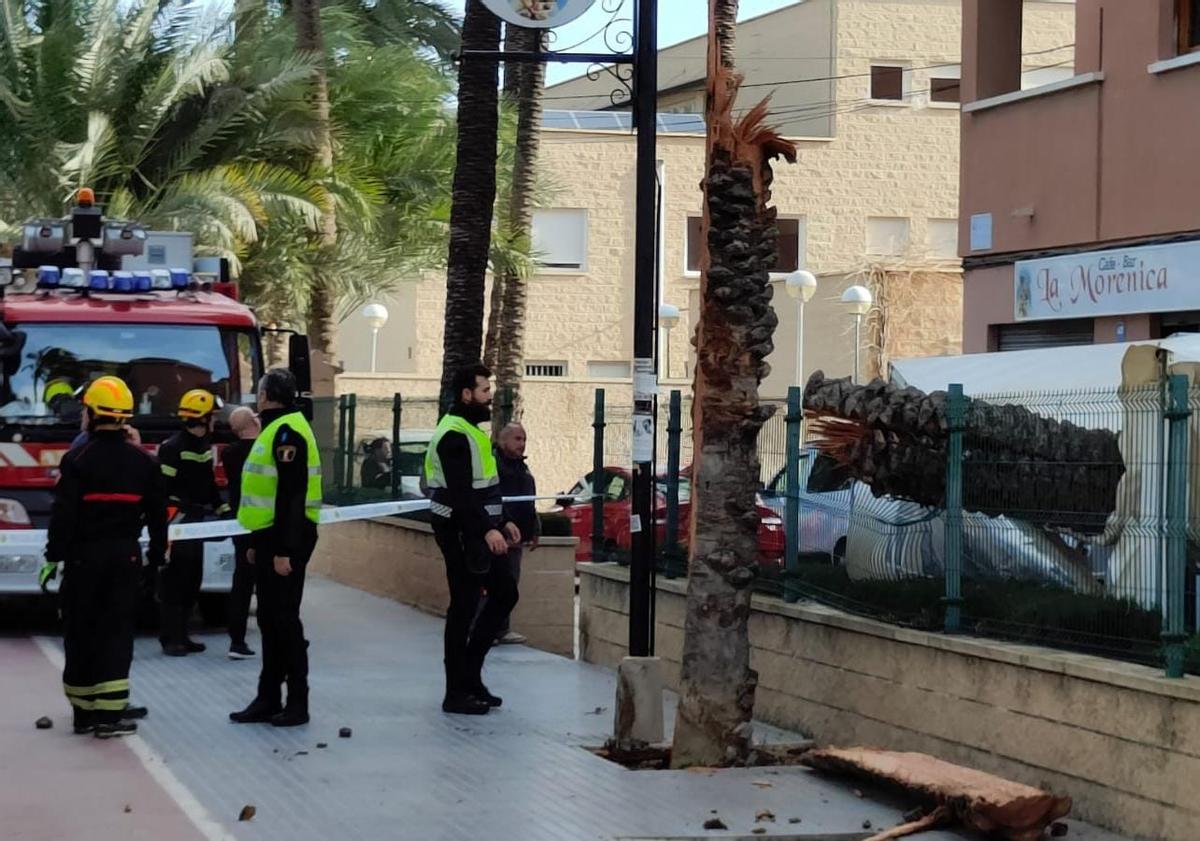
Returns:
(869,90)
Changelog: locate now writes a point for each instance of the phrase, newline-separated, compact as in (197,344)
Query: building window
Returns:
(555,370)
(887,82)
(944,89)
(943,238)
(887,236)
(1189,26)
(560,239)
(608,370)
(788,247)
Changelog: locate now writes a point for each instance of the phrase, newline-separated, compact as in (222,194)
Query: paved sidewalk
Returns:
(409,771)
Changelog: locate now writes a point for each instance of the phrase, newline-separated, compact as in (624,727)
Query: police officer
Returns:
(107,490)
(280,504)
(187,465)
(468,524)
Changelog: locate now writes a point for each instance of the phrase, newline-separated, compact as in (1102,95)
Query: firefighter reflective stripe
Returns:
(107,696)
(494,510)
(112,498)
(484,473)
(168,470)
(260,478)
(440,510)
(121,685)
(202,458)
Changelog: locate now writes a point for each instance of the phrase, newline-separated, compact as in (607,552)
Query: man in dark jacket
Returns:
(187,465)
(516,481)
(468,521)
(244,424)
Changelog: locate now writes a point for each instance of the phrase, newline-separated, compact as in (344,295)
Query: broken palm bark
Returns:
(732,340)
(1015,462)
(979,801)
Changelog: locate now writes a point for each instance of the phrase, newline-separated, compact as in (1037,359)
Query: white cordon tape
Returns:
(34,540)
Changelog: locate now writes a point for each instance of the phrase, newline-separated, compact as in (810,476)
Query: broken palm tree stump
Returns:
(1015,463)
(733,339)
(983,802)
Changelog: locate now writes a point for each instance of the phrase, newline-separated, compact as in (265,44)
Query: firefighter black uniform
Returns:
(280,505)
(187,466)
(107,491)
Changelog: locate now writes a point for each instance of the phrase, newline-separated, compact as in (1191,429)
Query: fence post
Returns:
(397,411)
(598,553)
(674,427)
(955,417)
(1174,634)
(351,407)
(791,521)
(506,405)
(339,455)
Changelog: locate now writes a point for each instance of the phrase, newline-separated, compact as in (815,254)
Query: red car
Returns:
(616,485)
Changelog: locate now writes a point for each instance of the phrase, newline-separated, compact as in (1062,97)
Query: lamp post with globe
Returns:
(376,316)
(801,286)
(858,301)
(668,317)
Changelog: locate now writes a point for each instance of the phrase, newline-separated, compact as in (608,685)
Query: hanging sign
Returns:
(1156,278)
(537,14)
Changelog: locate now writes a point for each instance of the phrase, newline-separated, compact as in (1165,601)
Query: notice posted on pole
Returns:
(643,439)
(635,524)
(645,385)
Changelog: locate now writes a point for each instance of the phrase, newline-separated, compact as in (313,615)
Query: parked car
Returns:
(826,494)
(616,486)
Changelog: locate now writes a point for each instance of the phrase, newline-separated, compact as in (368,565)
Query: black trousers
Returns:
(466,647)
(99,596)
(180,582)
(284,649)
(244,574)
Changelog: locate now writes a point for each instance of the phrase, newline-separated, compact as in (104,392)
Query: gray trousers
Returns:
(514,567)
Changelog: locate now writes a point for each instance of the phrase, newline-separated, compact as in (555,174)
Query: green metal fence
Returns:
(1082,546)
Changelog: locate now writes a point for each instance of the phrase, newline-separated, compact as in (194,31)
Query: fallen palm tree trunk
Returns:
(974,799)
(1015,463)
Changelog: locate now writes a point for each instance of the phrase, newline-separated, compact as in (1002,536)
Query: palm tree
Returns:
(310,42)
(474,193)
(712,725)
(505,347)
(143,104)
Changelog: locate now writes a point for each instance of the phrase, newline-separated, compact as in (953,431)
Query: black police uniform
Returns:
(292,536)
(107,491)
(187,466)
(470,569)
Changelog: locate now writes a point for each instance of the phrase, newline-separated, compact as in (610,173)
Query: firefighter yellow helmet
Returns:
(109,397)
(57,388)
(198,404)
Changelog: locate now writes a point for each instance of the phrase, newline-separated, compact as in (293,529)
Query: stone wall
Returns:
(1121,740)
(398,559)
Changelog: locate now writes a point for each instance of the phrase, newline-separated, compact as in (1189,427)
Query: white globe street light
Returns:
(801,286)
(668,317)
(376,315)
(858,301)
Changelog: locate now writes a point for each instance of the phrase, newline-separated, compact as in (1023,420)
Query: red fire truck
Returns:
(69,314)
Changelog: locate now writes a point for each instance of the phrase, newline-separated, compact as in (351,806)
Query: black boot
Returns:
(258,712)
(464,703)
(481,692)
(293,715)
(131,712)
